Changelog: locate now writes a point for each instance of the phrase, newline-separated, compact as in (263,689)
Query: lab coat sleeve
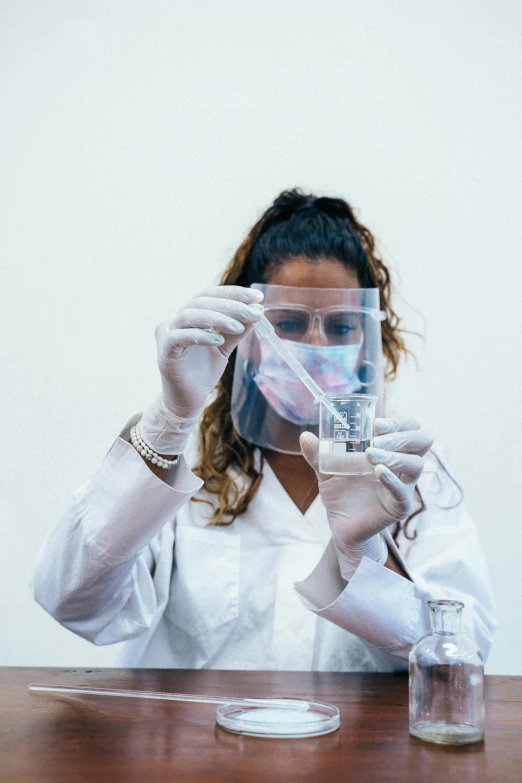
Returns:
(101,571)
(390,612)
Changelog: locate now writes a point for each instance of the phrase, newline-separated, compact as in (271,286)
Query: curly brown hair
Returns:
(297,224)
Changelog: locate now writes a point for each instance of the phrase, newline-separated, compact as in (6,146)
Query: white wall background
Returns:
(140,142)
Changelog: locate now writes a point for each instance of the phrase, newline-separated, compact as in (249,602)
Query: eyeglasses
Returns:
(336,325)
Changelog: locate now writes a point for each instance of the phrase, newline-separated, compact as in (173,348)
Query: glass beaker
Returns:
(446,681)
(341,449)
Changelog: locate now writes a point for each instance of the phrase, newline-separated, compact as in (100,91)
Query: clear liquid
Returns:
(446,733)
(344,456)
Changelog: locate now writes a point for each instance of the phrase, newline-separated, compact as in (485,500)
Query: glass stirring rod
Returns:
(265,328)
(294,704)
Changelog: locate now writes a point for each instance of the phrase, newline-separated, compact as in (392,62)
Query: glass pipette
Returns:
(265,328)
(294,704)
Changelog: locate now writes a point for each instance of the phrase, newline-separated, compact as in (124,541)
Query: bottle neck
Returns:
(446,616)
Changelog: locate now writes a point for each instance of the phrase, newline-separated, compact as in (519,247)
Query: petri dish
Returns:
(270,718)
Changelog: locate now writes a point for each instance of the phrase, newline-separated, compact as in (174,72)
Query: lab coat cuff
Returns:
(377,605)
(125,505)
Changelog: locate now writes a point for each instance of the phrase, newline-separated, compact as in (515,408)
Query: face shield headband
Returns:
(335,333)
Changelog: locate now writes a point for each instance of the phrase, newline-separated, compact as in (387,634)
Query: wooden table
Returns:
(89,739)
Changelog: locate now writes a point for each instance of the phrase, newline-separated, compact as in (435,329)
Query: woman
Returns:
(224,546)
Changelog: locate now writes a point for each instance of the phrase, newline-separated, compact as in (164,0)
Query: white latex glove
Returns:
(360,507)
(193,348)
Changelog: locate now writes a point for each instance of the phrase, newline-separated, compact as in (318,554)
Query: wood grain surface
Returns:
(89,739)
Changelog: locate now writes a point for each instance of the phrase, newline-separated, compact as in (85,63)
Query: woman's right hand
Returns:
(193,349)
(193,346)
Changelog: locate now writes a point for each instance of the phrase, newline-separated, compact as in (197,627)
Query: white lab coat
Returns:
(134,560)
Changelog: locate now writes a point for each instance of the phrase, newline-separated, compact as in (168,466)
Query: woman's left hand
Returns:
(360,507)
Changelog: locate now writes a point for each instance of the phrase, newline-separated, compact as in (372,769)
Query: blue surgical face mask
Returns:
(333,368)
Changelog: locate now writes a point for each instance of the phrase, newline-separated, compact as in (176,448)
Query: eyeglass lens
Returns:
(338,327)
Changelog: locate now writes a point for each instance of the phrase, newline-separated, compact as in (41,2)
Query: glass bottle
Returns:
(446,681)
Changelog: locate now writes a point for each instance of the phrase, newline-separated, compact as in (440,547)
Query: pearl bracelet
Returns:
(145,450)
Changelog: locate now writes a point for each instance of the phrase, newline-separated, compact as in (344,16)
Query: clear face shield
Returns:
(335,333)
